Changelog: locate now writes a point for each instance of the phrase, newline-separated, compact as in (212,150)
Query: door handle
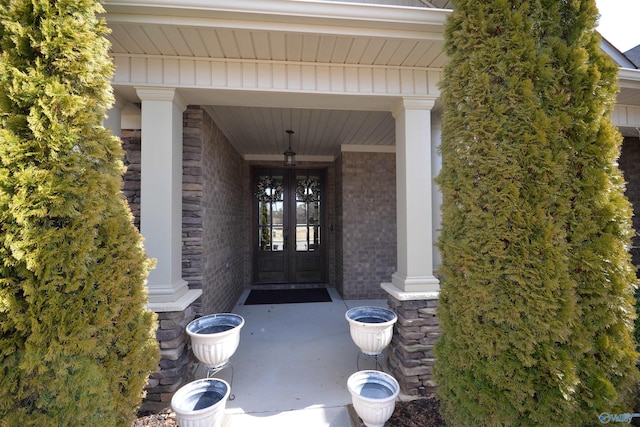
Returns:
(286,238)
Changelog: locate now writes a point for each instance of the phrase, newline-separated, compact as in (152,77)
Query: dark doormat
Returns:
(287,296)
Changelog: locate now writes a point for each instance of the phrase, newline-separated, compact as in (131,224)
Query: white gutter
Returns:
(629,78)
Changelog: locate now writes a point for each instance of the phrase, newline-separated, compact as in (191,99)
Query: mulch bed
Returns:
(416,413)
(166,418)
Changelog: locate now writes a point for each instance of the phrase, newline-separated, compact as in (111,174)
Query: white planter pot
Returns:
(214,338)
(373,394)
(201,403)
(371,328)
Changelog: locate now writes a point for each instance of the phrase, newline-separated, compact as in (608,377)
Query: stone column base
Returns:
(410,353)
(177,361)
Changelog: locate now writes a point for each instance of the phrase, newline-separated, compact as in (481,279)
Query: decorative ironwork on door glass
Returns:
(270,195)
(307,213)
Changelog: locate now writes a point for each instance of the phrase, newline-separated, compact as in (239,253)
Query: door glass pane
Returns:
(271,213)
(307,213)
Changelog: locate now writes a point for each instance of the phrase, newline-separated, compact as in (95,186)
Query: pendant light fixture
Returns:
(289,155)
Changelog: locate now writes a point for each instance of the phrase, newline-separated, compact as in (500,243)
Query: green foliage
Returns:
(537,305)
(76,341)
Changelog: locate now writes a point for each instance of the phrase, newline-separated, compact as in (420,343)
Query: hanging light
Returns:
(289,155)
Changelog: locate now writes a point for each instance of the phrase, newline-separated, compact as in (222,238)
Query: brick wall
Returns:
(338,231)
(367,225)
(222,216)
(630,164)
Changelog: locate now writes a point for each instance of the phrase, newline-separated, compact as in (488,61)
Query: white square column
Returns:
(161,198)
(113,119)
(436,194)
(414,191)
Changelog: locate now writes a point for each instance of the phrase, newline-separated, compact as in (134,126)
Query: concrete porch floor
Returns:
(292,364)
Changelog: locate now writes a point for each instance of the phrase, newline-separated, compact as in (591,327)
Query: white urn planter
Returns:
(201,403)
(215,338)
(373,394)
(371,328)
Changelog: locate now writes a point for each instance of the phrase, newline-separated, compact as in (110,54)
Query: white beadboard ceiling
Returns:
(318,133)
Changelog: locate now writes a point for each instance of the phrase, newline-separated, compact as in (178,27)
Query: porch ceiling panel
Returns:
(261,131)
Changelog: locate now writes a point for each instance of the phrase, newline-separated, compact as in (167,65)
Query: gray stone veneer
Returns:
(131,140)
(410,354)
(176,363)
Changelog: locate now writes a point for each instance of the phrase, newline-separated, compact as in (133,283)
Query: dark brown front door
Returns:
(288,226)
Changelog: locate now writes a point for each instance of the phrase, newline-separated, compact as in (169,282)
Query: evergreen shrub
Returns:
(76,341)
(536,303)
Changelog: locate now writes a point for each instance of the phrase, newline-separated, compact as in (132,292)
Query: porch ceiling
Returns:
(257,131)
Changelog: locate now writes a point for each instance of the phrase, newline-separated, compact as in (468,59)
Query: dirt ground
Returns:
(416,413)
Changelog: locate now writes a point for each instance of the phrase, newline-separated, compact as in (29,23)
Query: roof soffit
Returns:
(353,19)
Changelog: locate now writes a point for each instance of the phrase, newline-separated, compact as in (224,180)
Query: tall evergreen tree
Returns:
(536,307)
(76,341)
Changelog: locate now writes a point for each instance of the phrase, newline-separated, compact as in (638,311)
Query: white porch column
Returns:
(436,194)
(161,198)
(113,120)
(414,199)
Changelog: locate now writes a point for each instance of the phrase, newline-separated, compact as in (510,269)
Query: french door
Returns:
(288,226)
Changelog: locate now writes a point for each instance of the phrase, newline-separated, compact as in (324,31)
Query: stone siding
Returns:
(176,363)
(367,223)
(192,195)
(410,354)
(131,143)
